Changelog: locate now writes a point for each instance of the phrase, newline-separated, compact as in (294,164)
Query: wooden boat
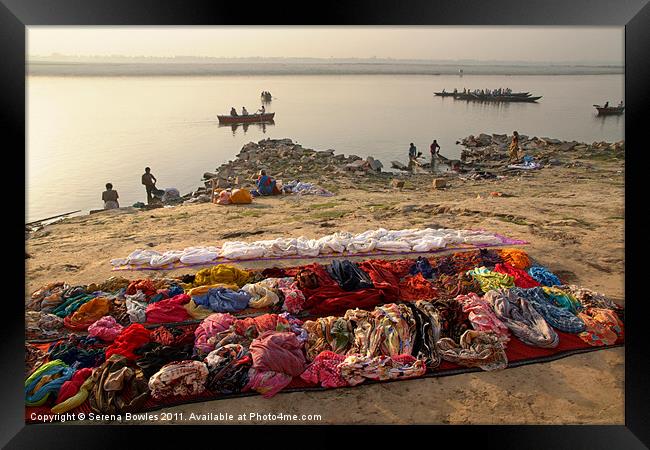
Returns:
(498,98)
(247,119)
(444,94)
(602,111)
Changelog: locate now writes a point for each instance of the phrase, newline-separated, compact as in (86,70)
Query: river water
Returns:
(83,132)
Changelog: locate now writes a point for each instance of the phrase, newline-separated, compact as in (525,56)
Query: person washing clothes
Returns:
(149,182)
(413,154)
(434,148)
(265,184)
(109,196)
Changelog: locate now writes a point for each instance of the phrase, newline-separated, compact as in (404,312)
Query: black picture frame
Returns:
(16,15)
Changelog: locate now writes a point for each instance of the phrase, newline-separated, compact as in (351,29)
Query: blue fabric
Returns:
(422,266)
(559,318)
(51,387)
(223,300)
(265,185)
(544,276)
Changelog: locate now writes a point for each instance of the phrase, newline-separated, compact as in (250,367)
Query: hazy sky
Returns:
(558,44)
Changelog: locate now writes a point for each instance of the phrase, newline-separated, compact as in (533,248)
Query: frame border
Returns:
(15,15)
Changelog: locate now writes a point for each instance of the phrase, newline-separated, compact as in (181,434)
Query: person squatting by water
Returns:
(109,196)
(149,182)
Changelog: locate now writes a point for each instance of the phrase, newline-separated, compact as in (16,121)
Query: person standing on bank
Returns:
(513,151)
(149,182)
(434,148)
(109,196)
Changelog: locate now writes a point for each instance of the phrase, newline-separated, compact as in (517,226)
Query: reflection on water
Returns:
(244,126)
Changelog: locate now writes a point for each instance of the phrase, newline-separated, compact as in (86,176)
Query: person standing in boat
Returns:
(233,112)
(513,151)
(109,196)
(149,182)
(244,112)
(606,105)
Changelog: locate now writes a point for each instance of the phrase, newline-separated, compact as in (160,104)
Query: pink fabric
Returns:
(267,382)
(169,310)
(210,327)
(324,370)
(482,316)
(107,329)
(279,352)
(277,358)
(294,299)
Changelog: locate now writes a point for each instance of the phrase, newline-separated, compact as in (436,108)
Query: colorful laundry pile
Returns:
(132,345)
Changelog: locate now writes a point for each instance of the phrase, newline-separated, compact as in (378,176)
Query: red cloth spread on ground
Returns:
(330,298)
(522,279)
(146,286)
(169,310)
(398,267)
(71,387)
(382,278)
(416,287)
(132,337)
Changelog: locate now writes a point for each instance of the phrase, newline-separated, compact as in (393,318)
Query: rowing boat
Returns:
(247,119)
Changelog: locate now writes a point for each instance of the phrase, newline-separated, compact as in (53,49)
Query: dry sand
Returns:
(572,217)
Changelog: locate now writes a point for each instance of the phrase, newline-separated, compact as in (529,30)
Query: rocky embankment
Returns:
(487,150)
(286,160)
(483,156)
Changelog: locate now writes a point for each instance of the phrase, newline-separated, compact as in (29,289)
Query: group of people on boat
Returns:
(620,105)
(244,111)
(492,92)
(266,95)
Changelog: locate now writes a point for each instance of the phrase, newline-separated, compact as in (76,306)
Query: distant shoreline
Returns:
(79,69)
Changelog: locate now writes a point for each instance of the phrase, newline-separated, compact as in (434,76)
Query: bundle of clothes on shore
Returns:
(341,243)
(127,345)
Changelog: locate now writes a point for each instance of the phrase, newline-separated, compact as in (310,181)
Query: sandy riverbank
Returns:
(572,215)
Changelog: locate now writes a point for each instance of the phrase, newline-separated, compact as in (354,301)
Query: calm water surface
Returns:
(83,132)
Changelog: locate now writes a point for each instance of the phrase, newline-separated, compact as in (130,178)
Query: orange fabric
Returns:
(87,314)
(516,258)
(416,287)
(241,196)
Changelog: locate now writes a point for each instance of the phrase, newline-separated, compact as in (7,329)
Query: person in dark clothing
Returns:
(109,196)
(233,112)
(434,148)
(413,154)
(149,182)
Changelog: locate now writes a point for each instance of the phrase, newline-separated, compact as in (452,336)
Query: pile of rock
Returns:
(283,159)
(486,148)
